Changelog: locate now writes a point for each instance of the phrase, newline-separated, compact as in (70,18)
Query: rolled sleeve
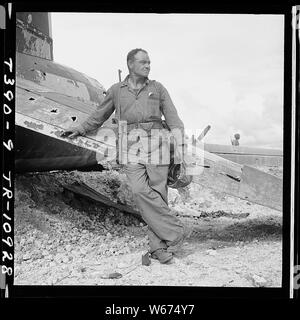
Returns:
(100,115)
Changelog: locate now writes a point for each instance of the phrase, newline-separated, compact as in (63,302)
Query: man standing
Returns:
(142,102)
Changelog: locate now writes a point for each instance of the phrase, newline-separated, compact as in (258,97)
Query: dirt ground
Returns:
(61,239)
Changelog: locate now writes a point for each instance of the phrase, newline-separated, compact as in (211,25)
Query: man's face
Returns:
(141,64)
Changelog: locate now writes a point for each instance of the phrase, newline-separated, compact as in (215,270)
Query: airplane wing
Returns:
(41,115)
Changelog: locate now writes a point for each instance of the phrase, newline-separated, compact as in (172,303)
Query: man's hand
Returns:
(71,133)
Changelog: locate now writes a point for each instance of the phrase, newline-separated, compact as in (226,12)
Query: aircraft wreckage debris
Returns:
(89,193)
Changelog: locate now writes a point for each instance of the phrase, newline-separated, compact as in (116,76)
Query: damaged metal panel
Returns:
(55,132)
(218,180)
(71,102)
(27,63)
(32,41)
(40,108)
(59,84)
(239,181)
(86,107)
(63,85)
(60,79)
(220,162)
(252,185)
(31,86)
(50,98)
(261,187)
(36,20)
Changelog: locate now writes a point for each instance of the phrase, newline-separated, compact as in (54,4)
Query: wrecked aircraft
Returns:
(51,97)
(48,94)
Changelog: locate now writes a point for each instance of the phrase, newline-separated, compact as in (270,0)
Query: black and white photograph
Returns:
(149,149)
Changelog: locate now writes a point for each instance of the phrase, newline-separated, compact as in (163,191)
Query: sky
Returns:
(222,70)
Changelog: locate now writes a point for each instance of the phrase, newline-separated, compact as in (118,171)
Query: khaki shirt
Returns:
(144,107)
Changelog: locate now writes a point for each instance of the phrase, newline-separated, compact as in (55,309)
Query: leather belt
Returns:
(138,124)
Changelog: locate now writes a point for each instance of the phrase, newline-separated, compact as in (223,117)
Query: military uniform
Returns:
(143,109)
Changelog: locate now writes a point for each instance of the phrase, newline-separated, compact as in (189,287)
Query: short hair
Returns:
(132,53)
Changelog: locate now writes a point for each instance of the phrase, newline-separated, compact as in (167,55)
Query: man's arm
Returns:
(96,119)
(172,119)
(168,109)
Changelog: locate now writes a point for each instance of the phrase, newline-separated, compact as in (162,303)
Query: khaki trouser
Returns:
(149,187)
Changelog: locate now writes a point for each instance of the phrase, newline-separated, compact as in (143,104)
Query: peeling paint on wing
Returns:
(33,125)
(32,41)
(57,133)
(64,86)
(40,110)
(60,79)
(29,85)
(34,45)
(40,75)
